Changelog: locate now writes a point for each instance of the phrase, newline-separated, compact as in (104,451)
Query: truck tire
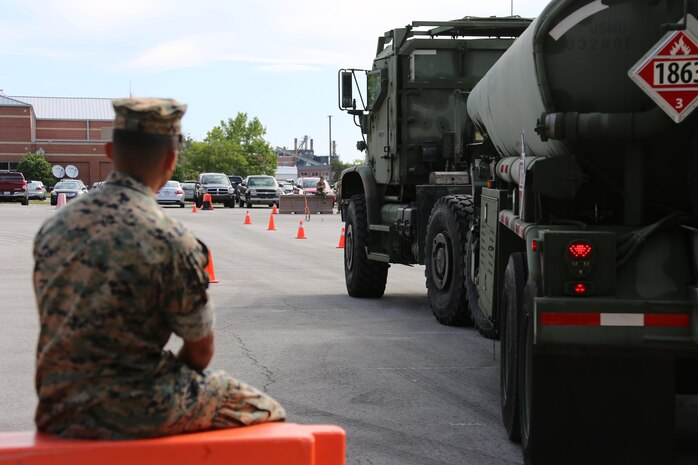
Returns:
(364,277)
(486,327)
(444,259)
(510,317)
(528,425)
(25,201)
(199,201)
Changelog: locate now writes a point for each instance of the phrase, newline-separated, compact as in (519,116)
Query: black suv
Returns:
(236,181)
(216,184)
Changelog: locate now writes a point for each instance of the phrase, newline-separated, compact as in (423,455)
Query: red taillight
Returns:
(534,245)
(179,192)
(580,257)
(580,289)
(157,193)
(580,250)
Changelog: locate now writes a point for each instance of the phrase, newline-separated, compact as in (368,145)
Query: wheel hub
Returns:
(349,248)
(441,260)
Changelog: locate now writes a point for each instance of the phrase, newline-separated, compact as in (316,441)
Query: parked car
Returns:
(259,190)
(171,194)
(37,190)
(13,187)
(308,185)
(216,184)
(72,188)
(189,188)
(286,186)
(235,180)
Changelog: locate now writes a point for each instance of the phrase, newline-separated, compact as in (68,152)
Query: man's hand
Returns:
(197,354)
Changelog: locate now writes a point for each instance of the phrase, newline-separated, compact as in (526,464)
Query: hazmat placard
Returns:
(668,72)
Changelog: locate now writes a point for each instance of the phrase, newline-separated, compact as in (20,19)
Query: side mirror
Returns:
(347,100)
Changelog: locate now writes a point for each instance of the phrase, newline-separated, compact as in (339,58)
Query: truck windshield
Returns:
(215,179)
(262,182)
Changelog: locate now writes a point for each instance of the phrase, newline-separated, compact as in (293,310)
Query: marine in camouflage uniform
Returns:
(114,277)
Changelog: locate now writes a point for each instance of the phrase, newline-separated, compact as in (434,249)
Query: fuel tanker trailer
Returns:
(583,247)
(549,186)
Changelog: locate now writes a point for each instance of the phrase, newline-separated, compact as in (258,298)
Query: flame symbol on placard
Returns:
(680,46)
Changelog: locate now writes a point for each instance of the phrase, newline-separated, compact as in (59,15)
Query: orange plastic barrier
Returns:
(266,444)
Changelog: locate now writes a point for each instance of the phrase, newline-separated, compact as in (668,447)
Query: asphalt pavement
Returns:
(407,390)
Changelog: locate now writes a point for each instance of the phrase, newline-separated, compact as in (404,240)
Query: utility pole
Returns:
(512,7)
(330,120)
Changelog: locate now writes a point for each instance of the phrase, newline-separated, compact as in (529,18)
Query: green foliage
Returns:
(339,166)
(235,146)
(35,167)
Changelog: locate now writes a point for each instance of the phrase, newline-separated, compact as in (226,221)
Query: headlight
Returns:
(253,191)
(280,191)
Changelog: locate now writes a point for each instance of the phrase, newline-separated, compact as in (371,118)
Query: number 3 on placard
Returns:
(679,103)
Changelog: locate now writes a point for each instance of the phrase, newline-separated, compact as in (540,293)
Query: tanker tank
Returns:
(564,83)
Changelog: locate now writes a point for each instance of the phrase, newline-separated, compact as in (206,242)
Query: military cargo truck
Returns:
(556,212)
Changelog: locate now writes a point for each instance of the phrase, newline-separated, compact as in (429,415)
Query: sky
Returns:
(276,60)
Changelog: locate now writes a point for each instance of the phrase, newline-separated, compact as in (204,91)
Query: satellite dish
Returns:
(58,171)
(71,171)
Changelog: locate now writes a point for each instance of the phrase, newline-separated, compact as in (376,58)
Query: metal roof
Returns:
(70,108)
(8,102)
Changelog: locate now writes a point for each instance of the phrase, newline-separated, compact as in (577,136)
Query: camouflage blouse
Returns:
(114,277)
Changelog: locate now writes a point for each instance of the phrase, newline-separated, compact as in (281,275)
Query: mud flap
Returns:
(601,410)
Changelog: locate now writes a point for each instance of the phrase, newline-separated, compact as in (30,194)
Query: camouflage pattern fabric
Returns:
(149,115)
(114,276)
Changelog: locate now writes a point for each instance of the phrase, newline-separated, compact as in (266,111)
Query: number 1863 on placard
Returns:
(675,72)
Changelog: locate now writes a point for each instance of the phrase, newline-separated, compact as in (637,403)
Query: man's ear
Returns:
(109,151)
(170,161)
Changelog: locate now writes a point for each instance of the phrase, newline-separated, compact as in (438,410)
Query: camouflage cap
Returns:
(150,115)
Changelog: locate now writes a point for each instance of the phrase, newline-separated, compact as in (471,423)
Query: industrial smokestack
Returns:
(311,144)
(295,144)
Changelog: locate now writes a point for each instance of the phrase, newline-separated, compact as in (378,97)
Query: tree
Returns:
(35,167)
(235,146)
(339,166)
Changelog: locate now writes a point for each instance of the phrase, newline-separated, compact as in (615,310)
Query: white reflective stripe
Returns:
(622,319)
(575,18)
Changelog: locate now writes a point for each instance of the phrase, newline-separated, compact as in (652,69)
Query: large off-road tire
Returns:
(444,259)
(510,316)
(528,430)
(480,320)
(364,277)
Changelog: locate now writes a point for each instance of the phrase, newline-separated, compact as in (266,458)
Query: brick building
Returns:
(69,131)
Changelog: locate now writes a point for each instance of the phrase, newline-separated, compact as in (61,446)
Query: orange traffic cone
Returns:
(208,202)
(341,240)
(271,226)
(209,269)
(60,201)
(248,220)
(301,232)
(193,209)
(273,210)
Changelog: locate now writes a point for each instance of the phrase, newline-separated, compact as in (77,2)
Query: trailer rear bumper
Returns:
(567,322)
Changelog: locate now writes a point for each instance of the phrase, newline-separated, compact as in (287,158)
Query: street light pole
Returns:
(330,120)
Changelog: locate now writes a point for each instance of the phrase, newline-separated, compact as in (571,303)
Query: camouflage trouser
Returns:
(184,402)
(221,401)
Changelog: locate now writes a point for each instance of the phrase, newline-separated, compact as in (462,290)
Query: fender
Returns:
(360,180)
